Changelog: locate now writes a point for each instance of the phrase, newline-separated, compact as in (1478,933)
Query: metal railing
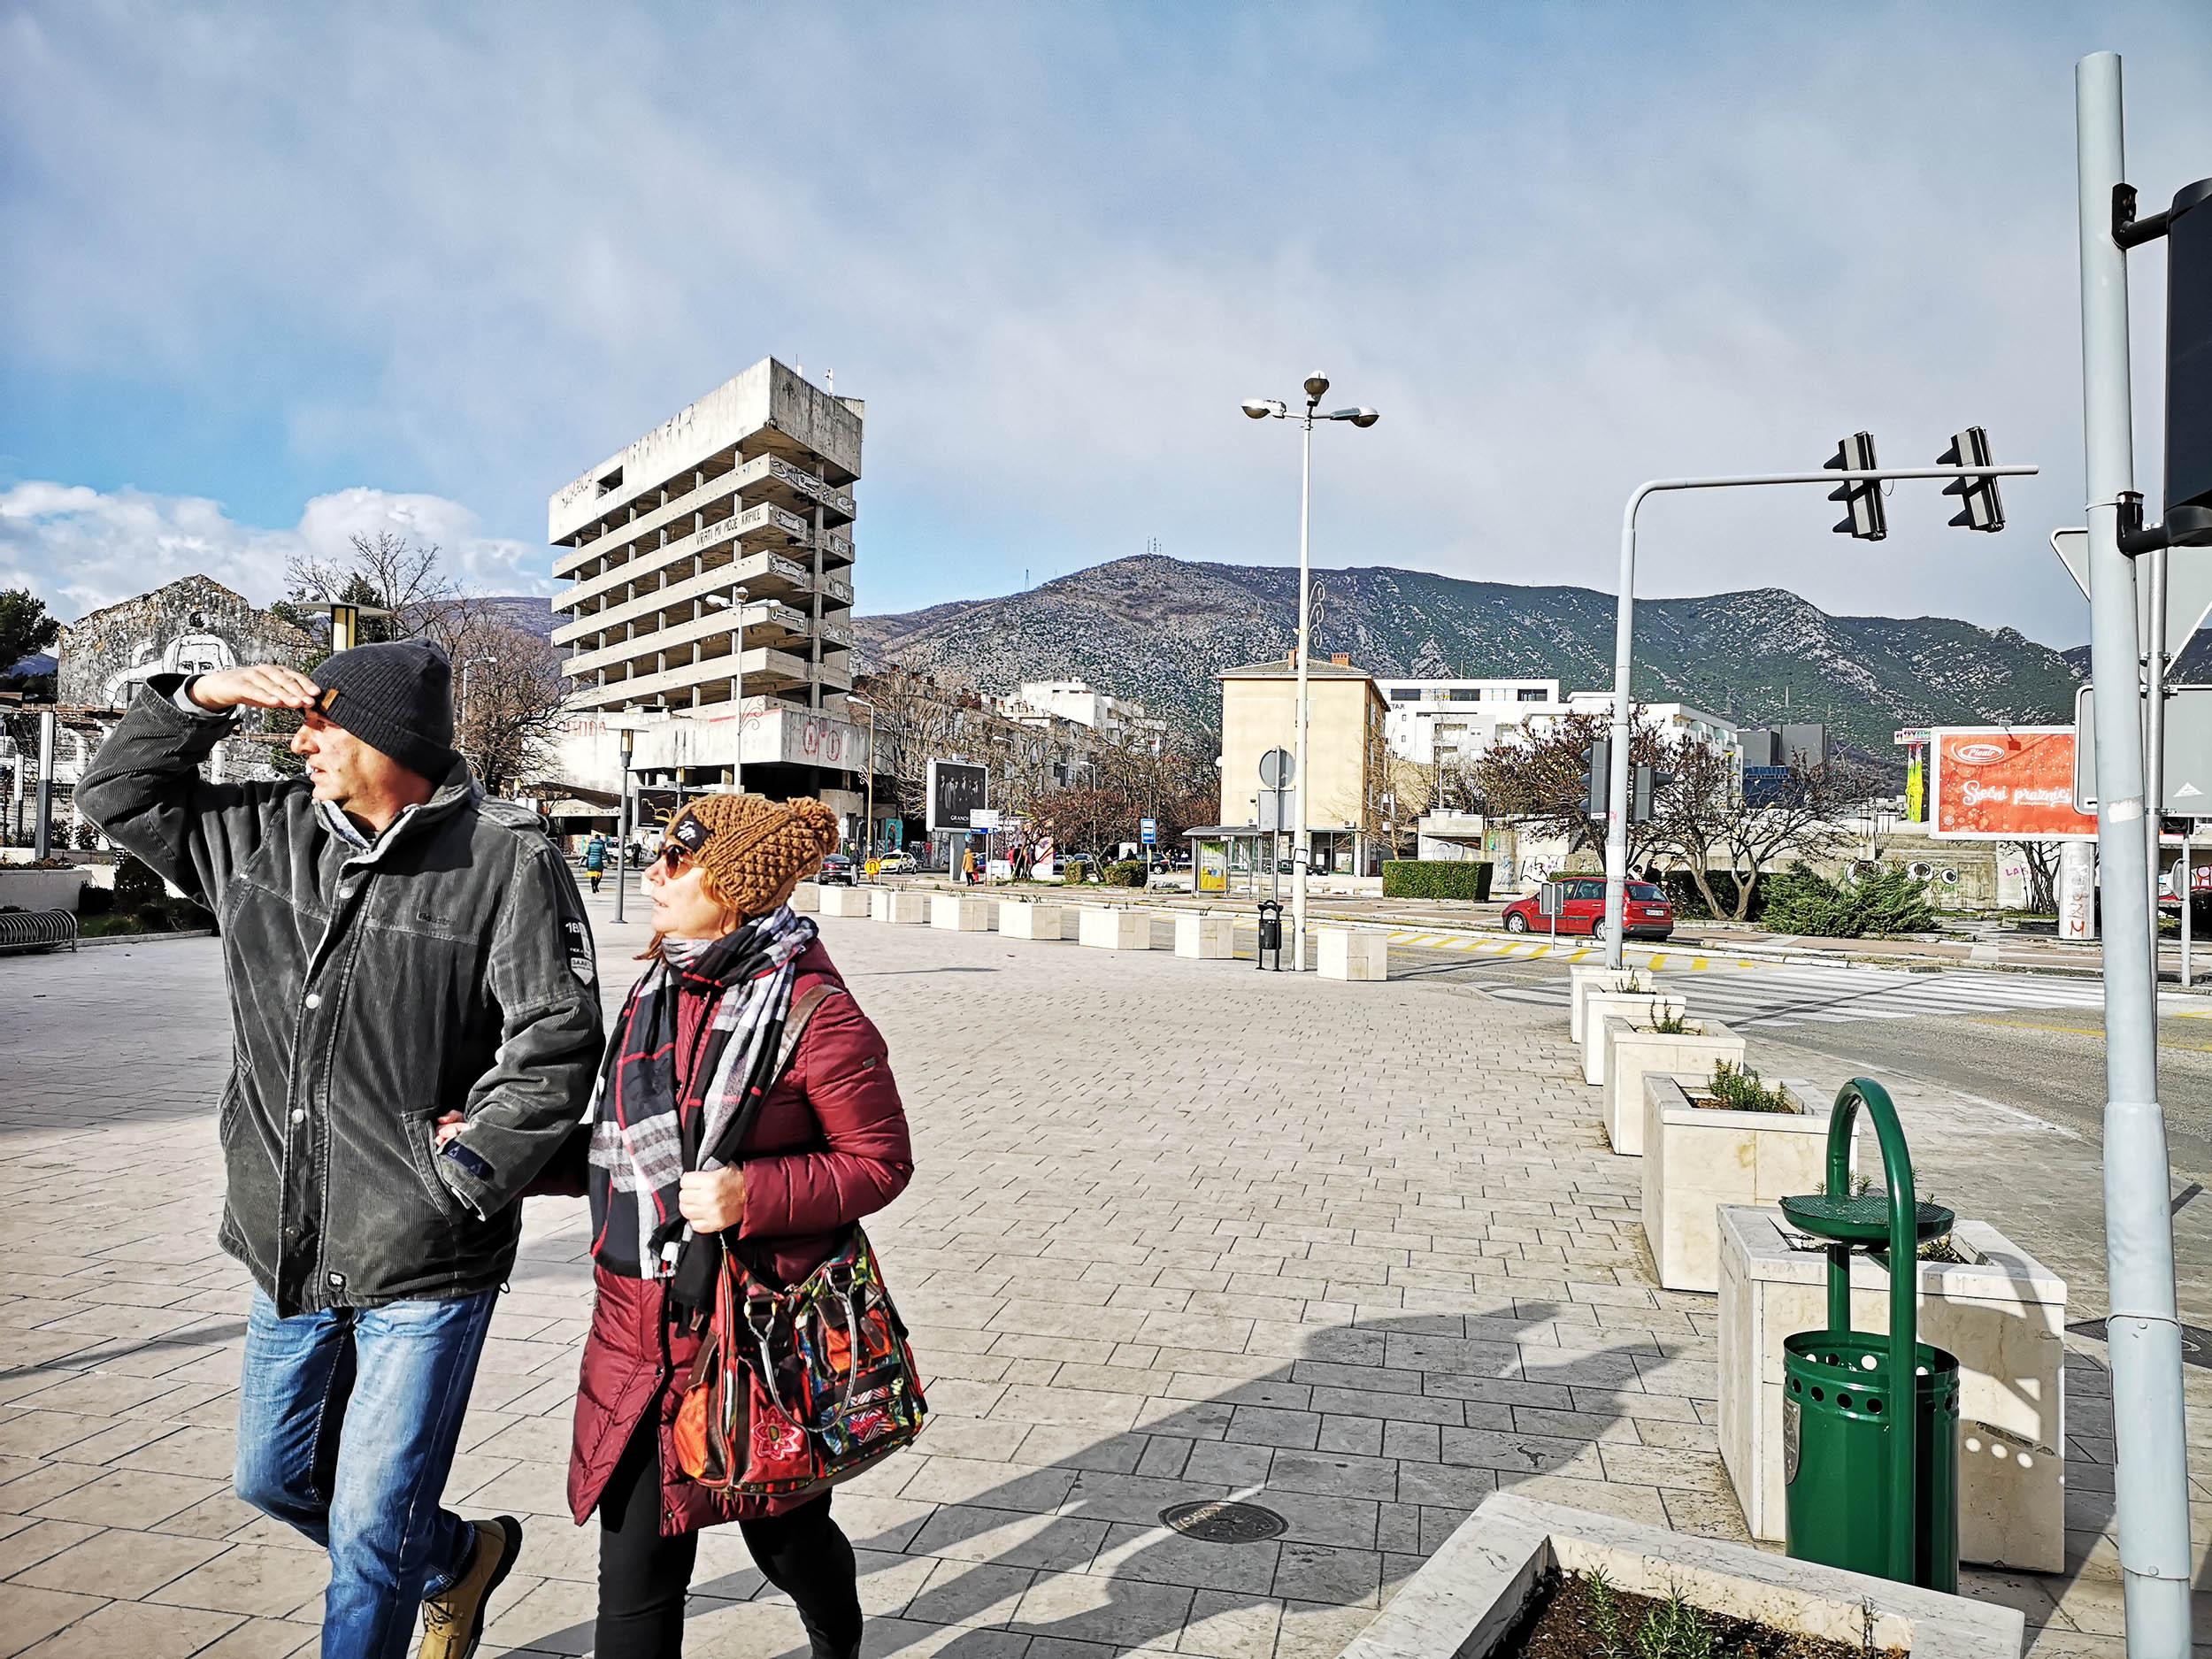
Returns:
(37,930)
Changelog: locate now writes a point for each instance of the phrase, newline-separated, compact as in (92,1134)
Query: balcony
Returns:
(767,623)
(771,479)
(762,529)
(766,670)
(763,575)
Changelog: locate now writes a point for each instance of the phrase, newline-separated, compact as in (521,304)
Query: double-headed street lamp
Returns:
(734,603)
(1317,386)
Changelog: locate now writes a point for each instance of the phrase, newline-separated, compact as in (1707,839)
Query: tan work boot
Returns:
(453,1623)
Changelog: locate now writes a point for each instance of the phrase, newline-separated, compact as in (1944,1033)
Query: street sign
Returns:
(2188,588)
(2188,751)
(955,790)
(983,818)
(1277,808)
(1148,831)
(1277,771)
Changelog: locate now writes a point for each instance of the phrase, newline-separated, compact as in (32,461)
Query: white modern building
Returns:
(710,597)
(1449,720)
(1040,702)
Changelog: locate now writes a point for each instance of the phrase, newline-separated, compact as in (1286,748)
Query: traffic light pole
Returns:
(2142,1326)
(1623,639)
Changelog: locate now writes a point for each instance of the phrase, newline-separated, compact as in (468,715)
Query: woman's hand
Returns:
(713,1201)
(449,1126)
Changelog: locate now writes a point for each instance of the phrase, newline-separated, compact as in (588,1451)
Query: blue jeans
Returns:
(346,1422)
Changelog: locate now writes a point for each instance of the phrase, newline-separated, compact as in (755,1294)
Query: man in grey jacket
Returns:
(416,1028)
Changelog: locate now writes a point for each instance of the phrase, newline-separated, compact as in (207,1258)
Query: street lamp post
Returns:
(867,813)
(622,821)
(736,604)
(1317,386)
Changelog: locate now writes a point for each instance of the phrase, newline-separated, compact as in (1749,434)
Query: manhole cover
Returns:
(2196,1342)
(1221,1522)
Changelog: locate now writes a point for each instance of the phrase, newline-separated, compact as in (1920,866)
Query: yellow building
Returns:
(1346,756)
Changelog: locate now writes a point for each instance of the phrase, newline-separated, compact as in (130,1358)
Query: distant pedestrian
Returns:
(967,866)
(416,1017)
(595,858)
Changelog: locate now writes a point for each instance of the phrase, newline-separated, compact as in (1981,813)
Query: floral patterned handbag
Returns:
(800,1387)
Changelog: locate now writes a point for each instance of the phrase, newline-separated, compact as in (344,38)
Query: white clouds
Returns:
(80,549)
(1563,250)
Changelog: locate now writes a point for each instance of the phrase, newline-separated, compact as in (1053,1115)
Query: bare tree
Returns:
(509,702)
(2042,859)
(1539,780)
(1707,820)
(388,572)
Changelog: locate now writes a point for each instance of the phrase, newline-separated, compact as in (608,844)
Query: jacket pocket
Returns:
(226,1111)
(416,1128)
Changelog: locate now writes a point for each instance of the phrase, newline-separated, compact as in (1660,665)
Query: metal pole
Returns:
(2188,894)
(42,842)
(1301,836)
(2154,734)
(1616,767)
(622,826)
(2142,1328)
(737,659)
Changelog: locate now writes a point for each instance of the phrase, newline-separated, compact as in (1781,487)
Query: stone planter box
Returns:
(1634,1053)
(1697,1158)
(1206,938)
(1641,1007)
(1020,919)
(906,909)
(1106,927)
(1583,981)
(957,913)
(847,901)
(806,898)
(40,889)
(1350,953)
(1462,1601)
(2000,1312)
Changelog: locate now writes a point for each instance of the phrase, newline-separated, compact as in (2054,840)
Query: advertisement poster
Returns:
(1989,783)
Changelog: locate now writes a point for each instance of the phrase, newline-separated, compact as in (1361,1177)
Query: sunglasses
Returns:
(673,859)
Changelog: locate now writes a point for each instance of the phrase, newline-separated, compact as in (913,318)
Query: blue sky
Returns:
(280,273)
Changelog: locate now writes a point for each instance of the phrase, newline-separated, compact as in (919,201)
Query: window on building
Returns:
(1405,693)
(1531,694)
(611,482)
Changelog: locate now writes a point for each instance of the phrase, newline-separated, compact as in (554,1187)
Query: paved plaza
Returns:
(1180,1230)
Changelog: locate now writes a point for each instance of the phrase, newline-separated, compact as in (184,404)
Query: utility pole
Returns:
(2142,1326)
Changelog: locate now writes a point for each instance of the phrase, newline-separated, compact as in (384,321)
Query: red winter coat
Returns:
(829,1147)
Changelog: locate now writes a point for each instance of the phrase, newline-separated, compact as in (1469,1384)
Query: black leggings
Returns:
(642,1576)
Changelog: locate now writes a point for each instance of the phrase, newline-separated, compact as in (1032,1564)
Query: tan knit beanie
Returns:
(750,846)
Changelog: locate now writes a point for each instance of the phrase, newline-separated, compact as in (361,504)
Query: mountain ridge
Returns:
(1158,629)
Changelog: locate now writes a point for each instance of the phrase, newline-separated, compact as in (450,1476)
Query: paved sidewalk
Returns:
(1180,1230)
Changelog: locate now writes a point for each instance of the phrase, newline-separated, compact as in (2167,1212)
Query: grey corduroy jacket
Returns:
(449,967)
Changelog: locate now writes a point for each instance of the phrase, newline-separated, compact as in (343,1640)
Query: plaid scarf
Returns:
(643,1138)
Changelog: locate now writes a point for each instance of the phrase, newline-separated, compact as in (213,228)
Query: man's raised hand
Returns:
(259,685)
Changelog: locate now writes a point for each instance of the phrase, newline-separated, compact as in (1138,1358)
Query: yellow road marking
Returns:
(1698,964)
(1658,960)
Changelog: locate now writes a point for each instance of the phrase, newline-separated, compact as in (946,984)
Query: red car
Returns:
(1582,910)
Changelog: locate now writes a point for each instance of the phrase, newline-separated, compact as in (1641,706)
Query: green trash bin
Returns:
(1869,1484)
(1836,1414)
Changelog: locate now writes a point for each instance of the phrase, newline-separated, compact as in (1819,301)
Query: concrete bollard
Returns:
(1110,928)
(880,903)
(1020,919)
(843,901)
(906,909)
(958,913)
(1347,953)
(806,898)
(1207,938)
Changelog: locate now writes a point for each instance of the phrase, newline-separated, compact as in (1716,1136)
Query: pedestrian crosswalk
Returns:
(1782,995)
(1562,950)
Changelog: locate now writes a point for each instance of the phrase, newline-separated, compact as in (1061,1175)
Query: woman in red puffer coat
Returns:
(827,1146)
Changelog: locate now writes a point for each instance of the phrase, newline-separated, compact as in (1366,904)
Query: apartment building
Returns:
(710,597)
(1345,751)
(1040,702)
(1453,721)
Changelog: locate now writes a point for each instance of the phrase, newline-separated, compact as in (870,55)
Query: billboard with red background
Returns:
(1998,783)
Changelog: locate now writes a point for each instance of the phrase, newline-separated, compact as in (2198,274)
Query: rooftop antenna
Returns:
(829,382)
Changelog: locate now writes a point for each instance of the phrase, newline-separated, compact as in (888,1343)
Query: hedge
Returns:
(1130,872)
(1436,879)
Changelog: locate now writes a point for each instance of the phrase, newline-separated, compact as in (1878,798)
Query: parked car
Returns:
(838,871)
(1648,914)
(897,865)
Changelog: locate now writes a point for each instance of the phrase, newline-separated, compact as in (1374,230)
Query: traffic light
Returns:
(2189,367)
(1981,510)
(1597,779)
(1648,783)
(1864,516)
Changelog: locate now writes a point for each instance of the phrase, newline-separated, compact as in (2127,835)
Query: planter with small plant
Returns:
(1526,1579)
(1639,1006)
(1725,1138)
(1653,1037)
(1982,1297)
(1586,981)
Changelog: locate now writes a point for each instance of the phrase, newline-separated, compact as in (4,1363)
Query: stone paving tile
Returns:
(1179,1231)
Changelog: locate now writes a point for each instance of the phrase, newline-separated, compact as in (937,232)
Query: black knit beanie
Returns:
(395,697)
